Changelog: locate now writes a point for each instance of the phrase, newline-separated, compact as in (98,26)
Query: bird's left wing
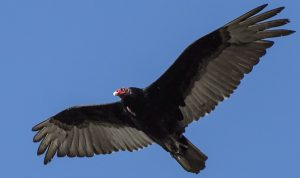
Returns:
(211,68)
(88,130)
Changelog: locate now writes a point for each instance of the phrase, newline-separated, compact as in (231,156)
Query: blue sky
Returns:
(60,53)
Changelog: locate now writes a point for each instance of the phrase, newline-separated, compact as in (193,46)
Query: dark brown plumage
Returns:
(208,71)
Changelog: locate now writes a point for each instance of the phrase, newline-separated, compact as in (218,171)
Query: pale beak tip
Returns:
(115,93)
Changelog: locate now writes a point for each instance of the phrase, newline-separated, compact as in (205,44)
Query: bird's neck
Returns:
(134,104)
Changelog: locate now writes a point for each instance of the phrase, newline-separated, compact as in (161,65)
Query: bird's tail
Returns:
(187,155)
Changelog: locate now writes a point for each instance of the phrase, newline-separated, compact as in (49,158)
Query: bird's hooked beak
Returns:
(115,93)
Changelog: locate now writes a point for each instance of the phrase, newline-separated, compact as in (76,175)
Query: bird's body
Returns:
(165,128)
(142,110)
(208,71)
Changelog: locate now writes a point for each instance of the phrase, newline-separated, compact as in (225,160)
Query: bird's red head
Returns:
(121,92)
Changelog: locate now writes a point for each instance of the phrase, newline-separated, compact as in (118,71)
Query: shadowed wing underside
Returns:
(211,68)
(88,130)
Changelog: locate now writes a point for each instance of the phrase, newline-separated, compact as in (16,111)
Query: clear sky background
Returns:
(59,53)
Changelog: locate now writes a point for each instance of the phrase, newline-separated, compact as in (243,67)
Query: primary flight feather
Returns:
(207,71)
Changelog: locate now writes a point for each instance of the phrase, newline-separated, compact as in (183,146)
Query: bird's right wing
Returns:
(88,130)
(212,67)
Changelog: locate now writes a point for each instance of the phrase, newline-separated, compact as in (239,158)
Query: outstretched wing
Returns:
(88,130)
(211,68)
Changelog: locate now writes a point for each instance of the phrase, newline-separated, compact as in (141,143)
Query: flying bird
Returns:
(207,72)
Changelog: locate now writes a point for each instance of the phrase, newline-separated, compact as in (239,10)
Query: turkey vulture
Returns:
(207,71)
